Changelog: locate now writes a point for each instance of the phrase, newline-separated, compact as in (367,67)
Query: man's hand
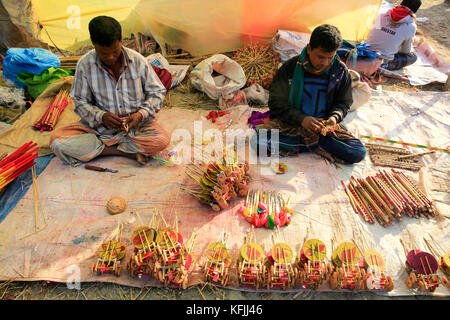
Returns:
(312,125)
(134,120)
(112,120)
(331,121)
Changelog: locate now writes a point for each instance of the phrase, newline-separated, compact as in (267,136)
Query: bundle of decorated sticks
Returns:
(54,110)
(386,197)
(17,163)
(266,208)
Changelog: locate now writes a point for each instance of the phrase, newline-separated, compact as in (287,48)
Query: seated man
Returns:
(394,35)
(117,94)
(310,92)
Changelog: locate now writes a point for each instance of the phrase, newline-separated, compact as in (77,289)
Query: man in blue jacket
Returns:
(312,92)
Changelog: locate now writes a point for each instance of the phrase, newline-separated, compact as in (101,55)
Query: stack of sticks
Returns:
(54,110)
(387,197)
(17,163)
(384,155)
(69,63)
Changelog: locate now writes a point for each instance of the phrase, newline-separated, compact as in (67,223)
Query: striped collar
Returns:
(127,56)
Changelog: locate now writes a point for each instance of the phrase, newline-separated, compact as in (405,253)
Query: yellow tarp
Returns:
(22,130)
(203,27)
(65,22)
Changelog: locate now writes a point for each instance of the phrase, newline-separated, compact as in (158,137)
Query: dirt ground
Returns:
(436,33)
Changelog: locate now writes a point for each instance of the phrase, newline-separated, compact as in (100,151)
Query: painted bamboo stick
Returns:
(373,204)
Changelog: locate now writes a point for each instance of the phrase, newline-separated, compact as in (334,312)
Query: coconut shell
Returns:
(116,205)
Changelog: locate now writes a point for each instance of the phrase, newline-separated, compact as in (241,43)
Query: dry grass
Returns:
(42,290)
(186,96)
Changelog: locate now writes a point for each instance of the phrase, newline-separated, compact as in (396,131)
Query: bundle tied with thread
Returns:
(53,112)
(16,163)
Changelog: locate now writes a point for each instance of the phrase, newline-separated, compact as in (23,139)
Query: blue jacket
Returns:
(339,94)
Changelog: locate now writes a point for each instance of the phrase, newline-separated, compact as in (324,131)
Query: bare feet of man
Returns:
(141,158)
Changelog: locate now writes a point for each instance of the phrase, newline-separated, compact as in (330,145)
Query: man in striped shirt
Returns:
(117,94)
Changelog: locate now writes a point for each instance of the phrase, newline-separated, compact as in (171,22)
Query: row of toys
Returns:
(162,254)
(348,268)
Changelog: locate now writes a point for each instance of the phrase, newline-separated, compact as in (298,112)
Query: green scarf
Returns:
(296,91)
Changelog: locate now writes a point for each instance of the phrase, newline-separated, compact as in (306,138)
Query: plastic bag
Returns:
(233,99)
(178,72)
(231,78)
(34,60)
(36,84)
(289,43)
(164,76)
(360,91)
(11,96)
(257,94)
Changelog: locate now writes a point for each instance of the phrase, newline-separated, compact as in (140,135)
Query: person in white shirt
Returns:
(393,36)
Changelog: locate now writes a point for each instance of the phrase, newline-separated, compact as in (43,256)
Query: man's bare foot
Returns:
(142,159)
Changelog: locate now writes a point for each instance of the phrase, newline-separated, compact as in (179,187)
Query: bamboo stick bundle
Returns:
(69,63)
(387,197)
(410,206)
(378,200)
(390,196)
(361,205)
(17,163)
(54,110)
(355,205)
(370,202)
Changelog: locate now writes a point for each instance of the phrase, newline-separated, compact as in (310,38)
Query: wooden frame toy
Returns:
(313,266)
(280,270)
(250,265)
(347,273)
(216,269)
(110,253)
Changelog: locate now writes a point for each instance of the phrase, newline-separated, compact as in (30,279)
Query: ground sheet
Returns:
(74,220)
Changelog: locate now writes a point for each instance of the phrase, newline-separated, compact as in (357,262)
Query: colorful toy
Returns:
(267,209)
(313,266)
(110,253)
(250,265)
(347,273)
(219,182)
(374,275)
(216,269)
(280,270)
(143,239)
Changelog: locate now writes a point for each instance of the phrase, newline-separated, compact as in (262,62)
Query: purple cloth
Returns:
(257,118)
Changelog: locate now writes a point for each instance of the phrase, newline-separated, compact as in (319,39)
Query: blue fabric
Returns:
(34,60)
(314,98)
(350,150)
(362,50)
(400,60)
(19,187)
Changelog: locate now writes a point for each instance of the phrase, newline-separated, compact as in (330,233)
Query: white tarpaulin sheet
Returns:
(77,221)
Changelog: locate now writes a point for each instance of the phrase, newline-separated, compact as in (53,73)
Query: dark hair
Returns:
(105,31)
(327,37)
(414,5)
